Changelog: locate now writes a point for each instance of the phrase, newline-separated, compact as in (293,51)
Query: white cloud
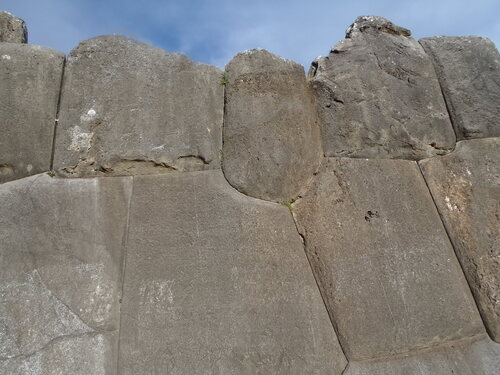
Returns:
(214,31)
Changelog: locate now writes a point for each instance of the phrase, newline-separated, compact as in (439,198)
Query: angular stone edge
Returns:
(470,356)
(454,109)
(142,162)
(6,169)
(479,292)
(287,195)
(19,31)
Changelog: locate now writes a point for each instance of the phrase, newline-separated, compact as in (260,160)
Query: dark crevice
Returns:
(345,369)
(327,310)
(56,121)
(124,265)
(431,57)
(451,243)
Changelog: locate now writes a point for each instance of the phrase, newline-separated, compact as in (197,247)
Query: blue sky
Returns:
(214,31)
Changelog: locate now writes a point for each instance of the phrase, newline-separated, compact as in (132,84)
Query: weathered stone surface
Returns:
(272,143)
(85,354)
(30,79)
(466,188)
(468,69)
(128,108)
(382,259)
(479,357)
(378,96)
(60,272)
(217,282)
(12,29)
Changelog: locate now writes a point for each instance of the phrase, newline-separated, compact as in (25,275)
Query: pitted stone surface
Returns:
(272,142)
(217,282)
(85,354)
(378,96)
(60,272)
(30,79)
(129,108)
(382,259)
(466,188)
(468,69)
(12,29)
(476,357)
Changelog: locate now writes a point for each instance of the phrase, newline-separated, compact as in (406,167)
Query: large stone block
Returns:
(30,79)
(383,261)
(468,69)
(217,282)
(378,96)
(272,143)
(60,273)
(12,29)
(466,188)
(129,108)
(91,353)
(477,356)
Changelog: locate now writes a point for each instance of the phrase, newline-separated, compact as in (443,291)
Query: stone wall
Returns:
(160,216)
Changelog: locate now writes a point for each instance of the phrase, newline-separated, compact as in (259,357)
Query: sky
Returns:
(214,31)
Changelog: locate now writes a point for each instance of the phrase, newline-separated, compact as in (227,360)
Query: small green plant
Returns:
(224,79)
(288,203)
(221,154)
(51,174)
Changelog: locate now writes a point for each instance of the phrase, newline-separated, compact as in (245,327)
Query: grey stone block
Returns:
(91,353)
(12,29)
(466,188)
(378,96)
(60,272)
(383,261)
(469,357)
(30,79)
(272,143)
(129,108)
(217,282)
(468,69)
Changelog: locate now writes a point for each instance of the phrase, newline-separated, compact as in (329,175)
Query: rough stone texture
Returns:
(30,79)
(12,29)
(479,357)
(60,273)
(382,259)
(217,282)
(468,69)
(91,353)
(130,108)
(378,96)
(272,143)
(466,188)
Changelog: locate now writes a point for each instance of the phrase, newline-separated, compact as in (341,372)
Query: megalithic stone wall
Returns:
(30,81)
(162,216)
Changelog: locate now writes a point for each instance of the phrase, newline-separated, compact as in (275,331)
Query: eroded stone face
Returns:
(217,282)
(378,96)
(30,79)
(382,259)
(90,353)
(468,69)
(129,108)
(12,29)
(469,357)
(466,188)
(272,142)
(60,273)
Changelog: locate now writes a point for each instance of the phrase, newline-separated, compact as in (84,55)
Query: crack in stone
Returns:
(53,341)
